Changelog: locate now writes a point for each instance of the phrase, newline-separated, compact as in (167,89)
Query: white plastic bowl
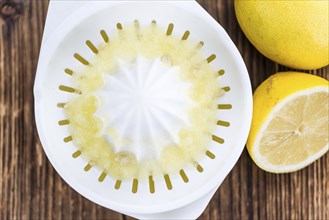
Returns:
(84,23)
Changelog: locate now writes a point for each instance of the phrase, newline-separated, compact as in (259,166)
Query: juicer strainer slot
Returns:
(68,89)
(92,47)
(81,59)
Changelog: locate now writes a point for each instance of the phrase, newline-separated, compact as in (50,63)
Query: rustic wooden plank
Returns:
(31,189)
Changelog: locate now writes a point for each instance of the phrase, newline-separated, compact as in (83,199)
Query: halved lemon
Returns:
(290,126)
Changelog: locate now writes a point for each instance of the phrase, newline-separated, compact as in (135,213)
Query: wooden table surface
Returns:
(31,189)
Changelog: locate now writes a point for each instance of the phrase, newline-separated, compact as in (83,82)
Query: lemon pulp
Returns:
(299,129)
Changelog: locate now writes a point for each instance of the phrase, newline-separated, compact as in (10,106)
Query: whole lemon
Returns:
(292,33)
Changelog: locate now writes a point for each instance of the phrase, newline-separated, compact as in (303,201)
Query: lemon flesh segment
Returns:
(297,133)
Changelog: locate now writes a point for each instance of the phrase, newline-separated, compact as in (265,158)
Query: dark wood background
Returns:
(31,189)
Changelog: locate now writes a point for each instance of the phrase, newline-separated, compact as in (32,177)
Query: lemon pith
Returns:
(290,122)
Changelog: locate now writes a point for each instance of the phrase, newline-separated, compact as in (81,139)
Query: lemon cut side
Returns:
(290,128)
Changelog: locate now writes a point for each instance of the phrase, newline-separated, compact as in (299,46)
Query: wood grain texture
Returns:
(31,189)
